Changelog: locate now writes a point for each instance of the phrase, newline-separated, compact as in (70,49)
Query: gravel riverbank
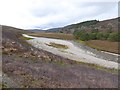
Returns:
(99,54)
(75,52)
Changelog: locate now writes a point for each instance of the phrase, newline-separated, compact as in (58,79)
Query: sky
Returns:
(45,14)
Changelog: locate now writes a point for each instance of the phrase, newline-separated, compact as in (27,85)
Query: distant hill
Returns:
(54,30)
(88,26)
(36,30)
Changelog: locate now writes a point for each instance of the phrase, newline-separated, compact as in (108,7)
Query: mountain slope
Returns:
(88,26)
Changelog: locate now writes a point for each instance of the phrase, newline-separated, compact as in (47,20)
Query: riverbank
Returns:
(72,52)
(102,45)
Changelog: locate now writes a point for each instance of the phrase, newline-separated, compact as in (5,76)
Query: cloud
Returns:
(54,13)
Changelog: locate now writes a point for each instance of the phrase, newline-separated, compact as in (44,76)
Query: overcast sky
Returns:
(45,14)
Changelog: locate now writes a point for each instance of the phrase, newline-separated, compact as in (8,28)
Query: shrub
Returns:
(114,37)
(99,36)
(92,36)
(95,35)
(84,36)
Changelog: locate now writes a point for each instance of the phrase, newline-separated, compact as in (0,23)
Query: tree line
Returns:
(95,35)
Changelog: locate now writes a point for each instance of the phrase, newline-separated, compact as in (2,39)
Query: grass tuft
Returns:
(25,38)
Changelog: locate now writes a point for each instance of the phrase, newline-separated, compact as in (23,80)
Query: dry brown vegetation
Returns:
(104,45)
(57,45)
(54,35)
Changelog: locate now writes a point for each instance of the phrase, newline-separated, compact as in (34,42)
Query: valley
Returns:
(59,44)
(56,60)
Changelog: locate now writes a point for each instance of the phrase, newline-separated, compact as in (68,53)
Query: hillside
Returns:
(11,32)
(36,30)
(25,66)
(88,26)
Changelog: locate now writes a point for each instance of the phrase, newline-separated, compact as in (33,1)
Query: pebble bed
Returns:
(76,52)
